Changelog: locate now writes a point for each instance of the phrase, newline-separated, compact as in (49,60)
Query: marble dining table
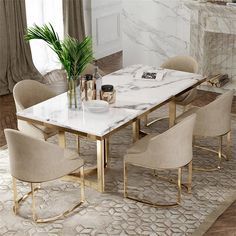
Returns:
(135,98)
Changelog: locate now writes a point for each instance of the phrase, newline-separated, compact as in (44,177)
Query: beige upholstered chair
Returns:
(213,120)
(186,64)
(36,161)
(27,93)
(169,150)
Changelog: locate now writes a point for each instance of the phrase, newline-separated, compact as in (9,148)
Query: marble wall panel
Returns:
(154,30)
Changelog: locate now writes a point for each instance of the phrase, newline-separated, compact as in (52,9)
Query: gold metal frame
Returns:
(226,156)
(36,219)
(103,141)
(171,111)
(179,185)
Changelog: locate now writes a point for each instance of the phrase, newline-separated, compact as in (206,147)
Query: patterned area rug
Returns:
(110,213)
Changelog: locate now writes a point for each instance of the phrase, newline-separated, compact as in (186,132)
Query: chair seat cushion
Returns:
(189,112)
(140,145)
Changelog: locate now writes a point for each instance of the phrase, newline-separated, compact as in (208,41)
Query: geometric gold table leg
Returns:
(172,113)
(136,129)
(106,148)
(82,196)
(100,165)
(78,144)
(62,139)
(145,120)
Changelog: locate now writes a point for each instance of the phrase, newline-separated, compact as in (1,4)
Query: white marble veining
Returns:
(154,30)
(134,97)
(213,37)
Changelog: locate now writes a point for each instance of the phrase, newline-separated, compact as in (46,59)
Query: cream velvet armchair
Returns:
(36,161)
(186,64)
(213,120)
(27,93)
(181,63)
(169,150)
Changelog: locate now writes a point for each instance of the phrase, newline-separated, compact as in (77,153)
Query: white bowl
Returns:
(97,106)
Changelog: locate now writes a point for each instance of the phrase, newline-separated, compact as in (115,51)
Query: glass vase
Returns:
(74,96)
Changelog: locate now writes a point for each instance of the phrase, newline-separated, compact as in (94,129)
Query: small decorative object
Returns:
(108,93)
(97,106)
(149,75)
(218,80)
(87,88)
(152,75)
(98,80)
(73,55)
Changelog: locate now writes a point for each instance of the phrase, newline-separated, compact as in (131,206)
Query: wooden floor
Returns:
(226,223)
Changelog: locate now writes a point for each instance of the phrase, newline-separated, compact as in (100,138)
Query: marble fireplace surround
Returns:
(212,40)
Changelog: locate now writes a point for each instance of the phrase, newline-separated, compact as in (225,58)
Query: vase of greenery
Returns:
(73,55)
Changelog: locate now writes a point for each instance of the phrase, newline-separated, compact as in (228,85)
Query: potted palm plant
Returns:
(73,55)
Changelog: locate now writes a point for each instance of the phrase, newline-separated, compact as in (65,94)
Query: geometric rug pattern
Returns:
(109,213)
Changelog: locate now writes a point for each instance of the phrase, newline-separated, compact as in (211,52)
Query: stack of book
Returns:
(218,80)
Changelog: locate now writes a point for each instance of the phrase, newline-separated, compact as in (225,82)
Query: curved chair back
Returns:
(173,148)
(33,160)
(214,119)
(27,93)
(181,63)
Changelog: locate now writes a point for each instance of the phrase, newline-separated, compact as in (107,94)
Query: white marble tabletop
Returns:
(134,96)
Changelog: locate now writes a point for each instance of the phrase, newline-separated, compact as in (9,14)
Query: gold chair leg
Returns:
(228,146)
(125,180)
(220,152)
(179,185)
(148,202)
(16,205)
(33,206)
(33,203)
(190,176)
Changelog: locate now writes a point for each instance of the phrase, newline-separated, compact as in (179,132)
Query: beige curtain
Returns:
(73,18)
(15,55)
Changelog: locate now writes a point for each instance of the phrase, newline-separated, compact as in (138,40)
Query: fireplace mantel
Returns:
(213,27)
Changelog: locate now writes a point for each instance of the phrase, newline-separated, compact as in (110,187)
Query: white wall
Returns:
(102,20)
(154,30)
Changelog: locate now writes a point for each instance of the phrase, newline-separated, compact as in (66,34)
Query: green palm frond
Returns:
(73,55)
